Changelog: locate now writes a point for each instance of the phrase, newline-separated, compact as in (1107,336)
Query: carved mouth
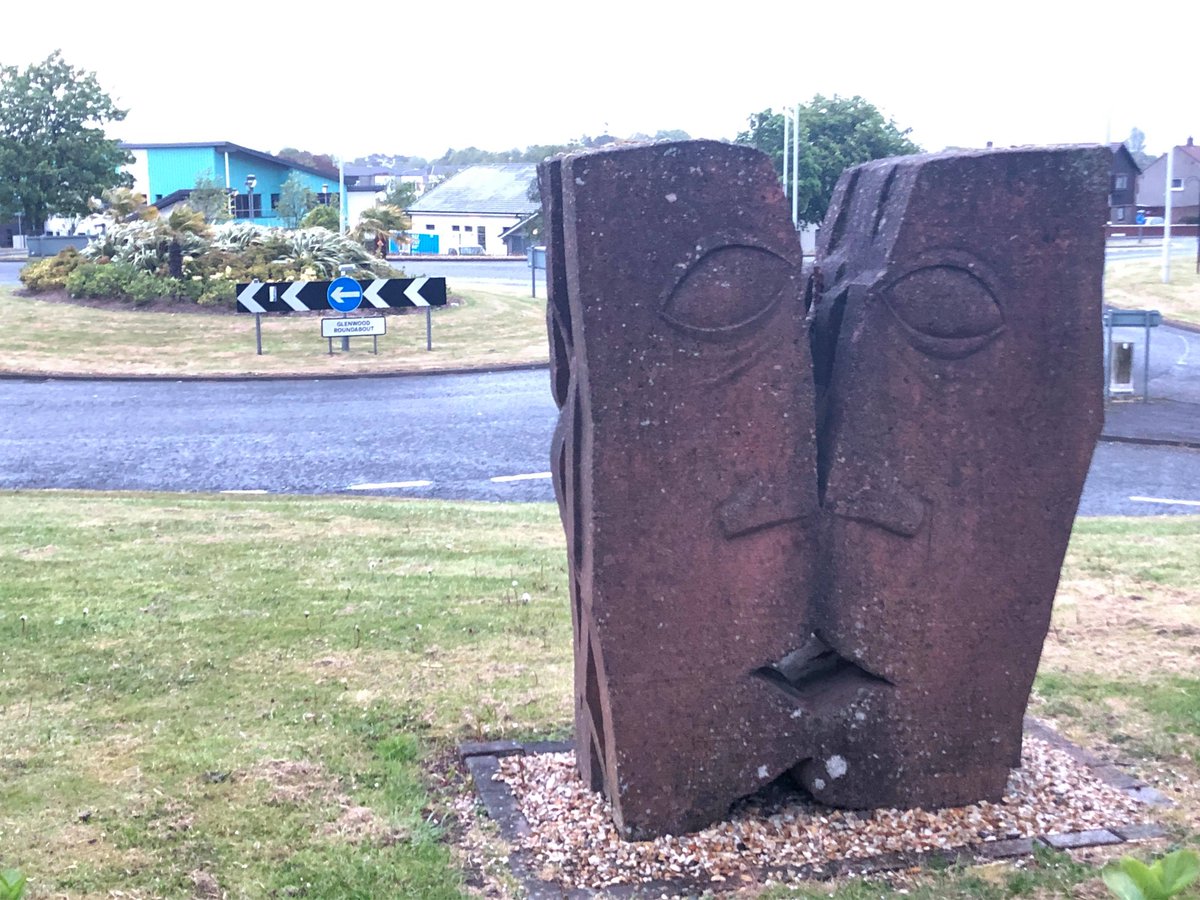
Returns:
(813,673)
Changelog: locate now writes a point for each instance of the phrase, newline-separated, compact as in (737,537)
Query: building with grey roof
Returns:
(476,212)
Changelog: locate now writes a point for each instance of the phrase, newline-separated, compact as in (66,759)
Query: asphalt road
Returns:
(450,436)
(444,436)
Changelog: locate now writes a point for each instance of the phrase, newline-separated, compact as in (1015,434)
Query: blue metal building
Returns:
(167,173)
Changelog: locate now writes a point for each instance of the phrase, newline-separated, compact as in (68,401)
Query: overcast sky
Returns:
(419,77)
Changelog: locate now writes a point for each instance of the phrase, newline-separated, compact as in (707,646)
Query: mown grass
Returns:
(259,697)
(1138,284)
(489,326)
(202,690)
(493,324)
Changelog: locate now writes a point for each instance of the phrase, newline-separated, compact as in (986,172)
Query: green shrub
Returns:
(1132,879)
(99,280)
(218,292)
(120,281)
(322,217)
(143,287)
(51,273)
(12,885)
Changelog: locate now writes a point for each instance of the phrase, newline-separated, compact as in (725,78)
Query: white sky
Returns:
(420,76)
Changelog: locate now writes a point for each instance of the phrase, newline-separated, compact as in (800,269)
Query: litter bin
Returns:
(1121,368)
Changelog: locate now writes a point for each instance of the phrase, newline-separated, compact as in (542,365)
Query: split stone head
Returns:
(815,517)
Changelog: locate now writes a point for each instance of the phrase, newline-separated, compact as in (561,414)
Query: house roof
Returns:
(483,189)
(172,198)
(365,171)
(1118,148)
(227,147)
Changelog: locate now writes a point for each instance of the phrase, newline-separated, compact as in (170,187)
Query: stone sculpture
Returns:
(815,521)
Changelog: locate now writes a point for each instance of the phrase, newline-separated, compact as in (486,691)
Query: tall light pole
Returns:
(341,196)
(251,181)
(1166,248)
(1196,178)
(786,151)
(796,167)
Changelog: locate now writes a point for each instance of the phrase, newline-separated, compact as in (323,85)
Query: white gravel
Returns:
(573,842)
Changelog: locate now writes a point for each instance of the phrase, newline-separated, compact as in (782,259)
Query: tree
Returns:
(125,205)
(322,217)
(1136,145)
(210,198)
(54,156)
(401,194)
(379,223)
(312,160)
(835,134)
(295,200)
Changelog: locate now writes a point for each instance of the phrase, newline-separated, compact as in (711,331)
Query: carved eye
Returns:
(947,311)
(726,290)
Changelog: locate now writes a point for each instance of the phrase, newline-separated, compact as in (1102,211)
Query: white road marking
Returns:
(532,476)
(1166,501)
(385,485)
(246,491)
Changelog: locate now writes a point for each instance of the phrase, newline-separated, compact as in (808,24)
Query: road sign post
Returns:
(344,294)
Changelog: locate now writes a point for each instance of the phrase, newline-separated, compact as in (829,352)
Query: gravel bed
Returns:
(572,841)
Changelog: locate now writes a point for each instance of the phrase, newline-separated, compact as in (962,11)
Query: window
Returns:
(274,202)
(1177,184)
(430,227)
(1120,182)
(454,228)
(325,198)
(241,206)
(467,228)
(482,237)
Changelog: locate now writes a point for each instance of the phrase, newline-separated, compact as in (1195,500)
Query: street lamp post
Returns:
(251,181)
(1196,178)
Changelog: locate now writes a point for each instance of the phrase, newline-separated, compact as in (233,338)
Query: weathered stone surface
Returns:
(1095,837)
(959,379)
(685,465)
(840,566)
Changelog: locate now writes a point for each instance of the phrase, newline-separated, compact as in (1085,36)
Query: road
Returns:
(450,436)
(445,436)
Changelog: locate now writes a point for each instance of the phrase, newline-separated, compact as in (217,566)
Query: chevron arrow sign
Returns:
(312,296)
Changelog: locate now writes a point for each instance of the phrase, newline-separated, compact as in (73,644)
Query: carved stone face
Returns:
(838,563)
(959,412)
(688,428)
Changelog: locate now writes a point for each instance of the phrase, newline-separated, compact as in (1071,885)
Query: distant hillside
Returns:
(392,162)
(473,156)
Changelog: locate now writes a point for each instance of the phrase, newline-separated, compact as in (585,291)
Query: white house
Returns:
(476,211)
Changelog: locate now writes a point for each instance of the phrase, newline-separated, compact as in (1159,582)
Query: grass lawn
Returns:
(259,697)
(489,326)
(492,325)
(1138,284)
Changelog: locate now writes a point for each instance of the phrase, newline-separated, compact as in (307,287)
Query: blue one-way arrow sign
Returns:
(344,294)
